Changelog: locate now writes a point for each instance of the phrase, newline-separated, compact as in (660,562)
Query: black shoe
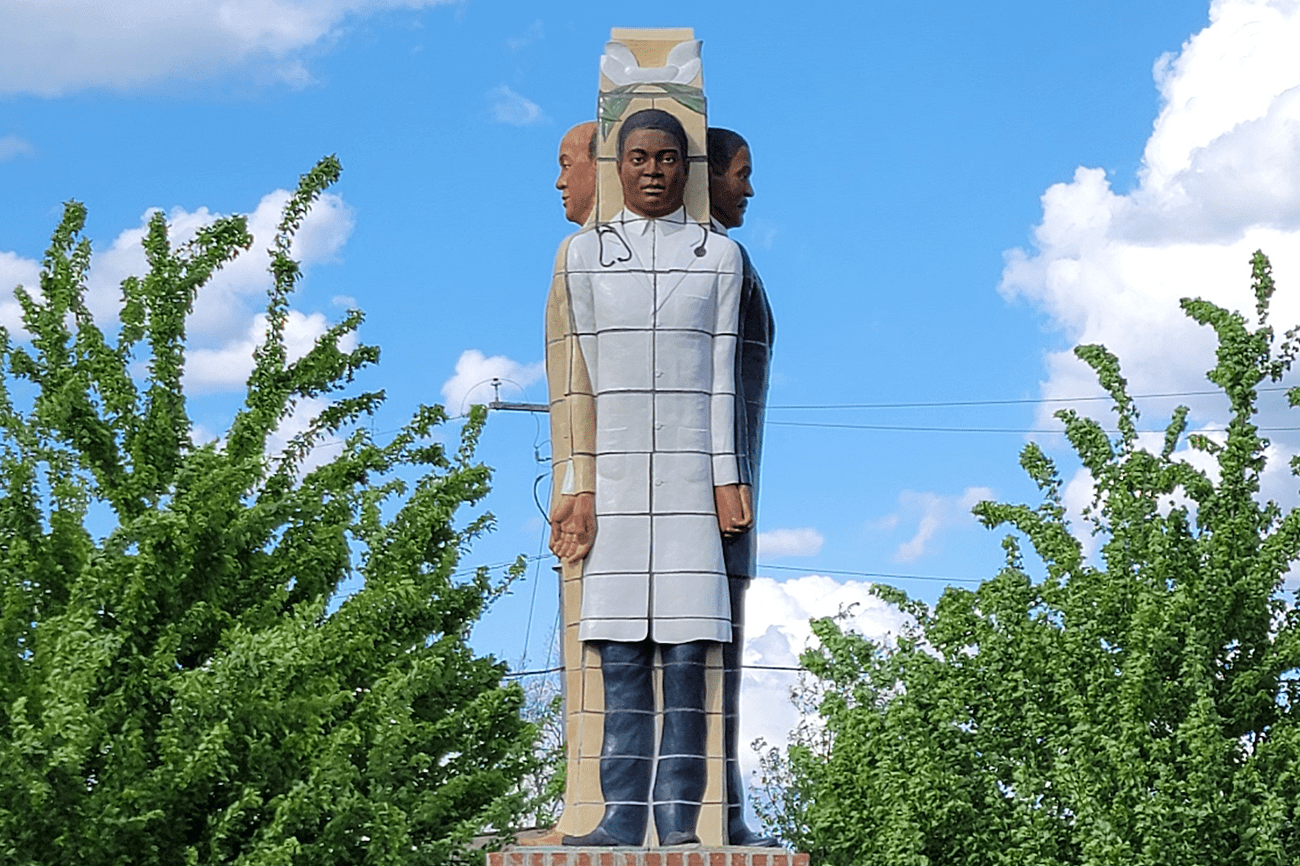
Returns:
(743,837)
(598,838)
(676,823)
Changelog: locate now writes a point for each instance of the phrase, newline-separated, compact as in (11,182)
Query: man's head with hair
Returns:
(730,167)
(577,180)
(652,163)
(654,118)
(723,144)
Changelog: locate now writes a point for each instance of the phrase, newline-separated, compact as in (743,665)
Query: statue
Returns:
(730,167)
(654,309)
(655,441)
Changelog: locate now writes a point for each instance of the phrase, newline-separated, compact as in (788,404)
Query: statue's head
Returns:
(577,180)
(730,167)
(652,162)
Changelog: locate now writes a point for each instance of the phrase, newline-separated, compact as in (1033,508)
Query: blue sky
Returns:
(949,196)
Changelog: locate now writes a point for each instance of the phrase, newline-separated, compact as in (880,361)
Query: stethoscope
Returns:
(605,230)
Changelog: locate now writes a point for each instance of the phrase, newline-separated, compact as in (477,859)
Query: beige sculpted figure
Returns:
(573,526)
(577,185)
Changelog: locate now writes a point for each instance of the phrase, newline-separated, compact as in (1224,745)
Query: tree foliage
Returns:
(1140,710)
(184,687)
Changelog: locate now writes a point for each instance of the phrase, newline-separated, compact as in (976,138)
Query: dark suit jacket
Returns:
(753,359)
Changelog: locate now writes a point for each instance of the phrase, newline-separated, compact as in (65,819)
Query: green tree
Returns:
(186,688)
(1142,710)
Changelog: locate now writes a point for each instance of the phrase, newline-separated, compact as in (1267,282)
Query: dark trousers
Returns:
(627,760)
(732,657)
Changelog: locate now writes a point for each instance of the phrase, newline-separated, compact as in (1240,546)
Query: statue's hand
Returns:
(573,526)
(735,509)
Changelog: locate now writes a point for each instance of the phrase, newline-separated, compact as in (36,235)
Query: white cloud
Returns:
(1220,178)
(225,324)
(227,367)
(221,310)
(53,47)
(775,543)
(777,615)
(777,632)
(16,271)
(472,381)
(298,421)
(12,145)
(536,32)
(514,109)
(1079,492)
(932,512)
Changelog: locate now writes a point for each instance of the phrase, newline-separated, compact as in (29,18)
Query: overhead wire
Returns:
(948,404)
(904,428)
(555,670)
(880,574)
(888,428)
(941,404)
(541,542)
(924,404)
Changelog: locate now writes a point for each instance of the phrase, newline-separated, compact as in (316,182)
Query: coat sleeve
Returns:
(723,406)
(572,404)
(744,459)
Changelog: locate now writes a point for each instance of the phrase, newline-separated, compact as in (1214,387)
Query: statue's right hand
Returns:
(573,526)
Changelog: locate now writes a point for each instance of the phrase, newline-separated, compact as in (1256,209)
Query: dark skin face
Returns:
(653,172)
(729,192)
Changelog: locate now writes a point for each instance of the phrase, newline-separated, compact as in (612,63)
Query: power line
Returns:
(555,670)
(930,577)
(805,569)
(940,404)
(537,673)
(908,428)
(538,408)
(497,405)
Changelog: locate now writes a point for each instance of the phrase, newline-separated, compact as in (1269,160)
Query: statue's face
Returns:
(653,173)
(729,192)
(577,180)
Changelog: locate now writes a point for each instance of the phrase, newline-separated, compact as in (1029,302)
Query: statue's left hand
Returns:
(735,509)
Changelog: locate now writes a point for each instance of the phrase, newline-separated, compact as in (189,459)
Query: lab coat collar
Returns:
(635,224)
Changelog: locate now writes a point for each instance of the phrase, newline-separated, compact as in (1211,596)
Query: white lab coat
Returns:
(654,305)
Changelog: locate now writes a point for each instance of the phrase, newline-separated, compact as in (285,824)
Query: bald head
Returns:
(577,180)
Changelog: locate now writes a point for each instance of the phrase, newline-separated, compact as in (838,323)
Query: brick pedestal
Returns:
(563,856)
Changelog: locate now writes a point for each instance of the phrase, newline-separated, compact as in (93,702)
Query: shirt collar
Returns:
(636,224)
(718,227)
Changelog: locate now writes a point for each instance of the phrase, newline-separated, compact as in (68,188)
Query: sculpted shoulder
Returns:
(730,255)
(581,246)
